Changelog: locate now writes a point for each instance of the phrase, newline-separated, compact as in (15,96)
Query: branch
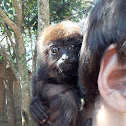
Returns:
(3,38)
(9,22)
(29,59)
(91,2)
(31,41)
(34,59)
(72,15)
(18,13)
(16,30)
(9,36)
(23,8)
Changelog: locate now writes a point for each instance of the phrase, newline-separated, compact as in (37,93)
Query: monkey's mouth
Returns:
(66,67)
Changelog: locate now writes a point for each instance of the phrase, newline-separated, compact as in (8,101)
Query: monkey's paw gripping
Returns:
(38,112)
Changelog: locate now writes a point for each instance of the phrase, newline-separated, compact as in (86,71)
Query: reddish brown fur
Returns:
(60,31)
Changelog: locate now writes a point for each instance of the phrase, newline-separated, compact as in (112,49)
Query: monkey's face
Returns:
(63,56)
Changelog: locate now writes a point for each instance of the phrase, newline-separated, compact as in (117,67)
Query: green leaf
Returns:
(1,57)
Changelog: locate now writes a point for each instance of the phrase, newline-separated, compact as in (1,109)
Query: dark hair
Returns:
(106,25)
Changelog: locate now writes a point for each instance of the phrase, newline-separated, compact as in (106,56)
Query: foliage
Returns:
(29,7)
(29,25)
(31,14)
(68,9)
(1,57)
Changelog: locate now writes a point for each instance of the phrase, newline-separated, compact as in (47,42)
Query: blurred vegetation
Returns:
(59,10)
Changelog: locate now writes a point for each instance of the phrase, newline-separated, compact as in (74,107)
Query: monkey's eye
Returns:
(54,49)
(73,47)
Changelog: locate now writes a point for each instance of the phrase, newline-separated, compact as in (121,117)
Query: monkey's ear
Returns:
(112,80)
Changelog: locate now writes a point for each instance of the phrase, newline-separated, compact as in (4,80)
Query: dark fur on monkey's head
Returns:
(64,31)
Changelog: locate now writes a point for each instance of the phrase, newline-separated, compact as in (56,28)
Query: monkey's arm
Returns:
(37,109)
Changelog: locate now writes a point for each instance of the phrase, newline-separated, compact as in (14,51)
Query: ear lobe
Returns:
(112,80)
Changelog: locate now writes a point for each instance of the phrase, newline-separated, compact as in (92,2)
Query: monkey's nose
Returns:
(65,57)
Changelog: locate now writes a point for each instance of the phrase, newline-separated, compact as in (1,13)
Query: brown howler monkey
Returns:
(54,93)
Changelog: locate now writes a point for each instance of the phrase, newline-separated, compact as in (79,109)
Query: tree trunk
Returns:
(3,111)
(10,102)
(43,14)
(43,20)
(9,115)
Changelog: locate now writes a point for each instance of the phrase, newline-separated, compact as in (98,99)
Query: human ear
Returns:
(112,80)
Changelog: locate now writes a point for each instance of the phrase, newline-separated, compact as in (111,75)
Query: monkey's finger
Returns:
(41,109)
(88,122)
(37,115)
(41,106)
(37,119)
(34,116)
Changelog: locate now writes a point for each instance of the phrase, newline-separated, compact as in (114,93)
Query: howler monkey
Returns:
(54,93)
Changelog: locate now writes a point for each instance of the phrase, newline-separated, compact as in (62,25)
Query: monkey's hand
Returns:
(38,111)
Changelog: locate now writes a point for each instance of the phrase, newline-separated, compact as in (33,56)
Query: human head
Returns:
(104,40)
